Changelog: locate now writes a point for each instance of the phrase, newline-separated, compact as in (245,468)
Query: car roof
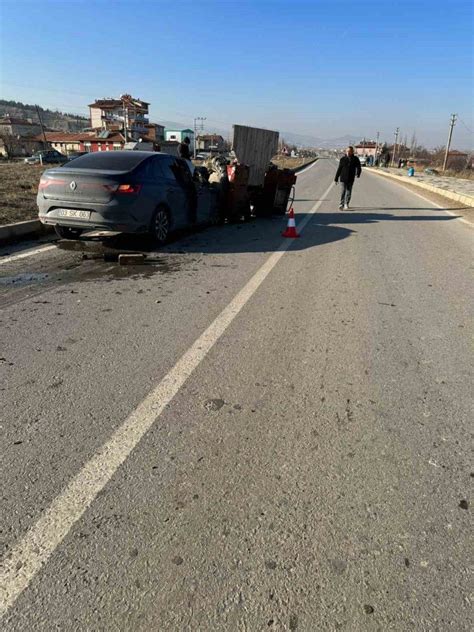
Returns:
(114,160)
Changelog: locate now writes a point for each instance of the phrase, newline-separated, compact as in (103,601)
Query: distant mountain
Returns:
(51,119)
(300,140)
(174,124)
(305,140)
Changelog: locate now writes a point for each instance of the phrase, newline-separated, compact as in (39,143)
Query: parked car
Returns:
(363,160)
(75,154)
(46,156)
(125,191)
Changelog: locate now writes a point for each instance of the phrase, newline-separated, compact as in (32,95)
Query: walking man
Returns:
(183,149)
(349,168)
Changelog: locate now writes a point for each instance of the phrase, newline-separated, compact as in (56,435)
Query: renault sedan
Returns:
(124,191)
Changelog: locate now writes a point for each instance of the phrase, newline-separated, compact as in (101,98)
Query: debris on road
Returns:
(131,259)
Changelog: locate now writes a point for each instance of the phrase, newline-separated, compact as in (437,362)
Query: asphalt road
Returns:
(250,434)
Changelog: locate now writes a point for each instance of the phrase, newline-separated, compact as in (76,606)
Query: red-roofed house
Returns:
(66,142)
(459,160)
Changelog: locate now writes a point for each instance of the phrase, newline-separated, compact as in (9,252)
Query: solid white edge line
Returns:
(460,219)
(298,173)
(26,253)
(29,555)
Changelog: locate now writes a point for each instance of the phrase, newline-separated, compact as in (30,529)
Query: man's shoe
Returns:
(346,207)
(340,207)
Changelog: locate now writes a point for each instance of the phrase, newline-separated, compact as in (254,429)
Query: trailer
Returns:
(269,188)
(255,148)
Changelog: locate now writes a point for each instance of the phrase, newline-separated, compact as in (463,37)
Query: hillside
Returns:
(51,119)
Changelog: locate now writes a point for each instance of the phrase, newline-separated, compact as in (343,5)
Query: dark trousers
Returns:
(346,191)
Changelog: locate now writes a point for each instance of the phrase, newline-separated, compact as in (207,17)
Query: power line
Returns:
(468,128)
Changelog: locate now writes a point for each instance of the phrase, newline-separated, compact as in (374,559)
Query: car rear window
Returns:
(111,160)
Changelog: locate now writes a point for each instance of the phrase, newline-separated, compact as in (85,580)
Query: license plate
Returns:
(69,212)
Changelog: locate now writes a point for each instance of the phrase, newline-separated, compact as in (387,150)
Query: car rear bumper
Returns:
(107,218)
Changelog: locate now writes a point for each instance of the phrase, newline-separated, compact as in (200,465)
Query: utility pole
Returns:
(197,126)
(450,135)
(125,120)
(397,131)
(376,146)
(41,124)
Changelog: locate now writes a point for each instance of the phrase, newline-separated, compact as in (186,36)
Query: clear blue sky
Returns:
(320,67)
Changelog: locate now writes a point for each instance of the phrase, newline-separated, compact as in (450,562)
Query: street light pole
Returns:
(125,120)
(376,147)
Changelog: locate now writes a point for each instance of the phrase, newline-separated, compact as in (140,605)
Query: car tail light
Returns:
(44,183)
(129,189)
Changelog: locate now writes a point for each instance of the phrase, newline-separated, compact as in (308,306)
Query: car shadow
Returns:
(354,216)
(405,208)
(311,200)
(265,234)
(257,235)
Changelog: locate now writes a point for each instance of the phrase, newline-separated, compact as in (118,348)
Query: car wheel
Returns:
(65,232)
(161,226)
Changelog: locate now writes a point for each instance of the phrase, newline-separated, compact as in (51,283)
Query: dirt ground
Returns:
(18,188)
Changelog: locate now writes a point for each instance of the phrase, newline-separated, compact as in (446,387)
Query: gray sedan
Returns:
(125,191)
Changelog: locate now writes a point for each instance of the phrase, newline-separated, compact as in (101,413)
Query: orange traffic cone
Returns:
(291,228)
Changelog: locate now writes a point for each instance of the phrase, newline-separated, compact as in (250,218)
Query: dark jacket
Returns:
(349,168)
(183,151)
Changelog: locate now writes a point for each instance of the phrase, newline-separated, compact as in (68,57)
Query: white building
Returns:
(178,135)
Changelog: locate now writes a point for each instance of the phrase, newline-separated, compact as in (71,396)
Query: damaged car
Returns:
(123,191)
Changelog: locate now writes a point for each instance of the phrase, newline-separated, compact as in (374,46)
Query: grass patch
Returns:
(18,189)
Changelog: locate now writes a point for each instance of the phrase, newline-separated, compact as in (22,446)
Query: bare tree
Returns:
(413,145)
(404,150)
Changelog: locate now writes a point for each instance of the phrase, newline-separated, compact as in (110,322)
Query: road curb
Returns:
(467,200)
(22,230)
(306,164)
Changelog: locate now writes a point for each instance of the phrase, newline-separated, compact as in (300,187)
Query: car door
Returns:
(177,195)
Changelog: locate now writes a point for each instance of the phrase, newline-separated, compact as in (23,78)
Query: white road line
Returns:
(34,549)
(460,219)
(298,173)
(26,253)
